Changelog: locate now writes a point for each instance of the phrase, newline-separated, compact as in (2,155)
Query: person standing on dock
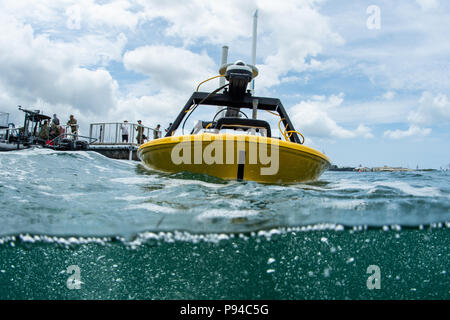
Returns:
(157,132)
(140,132)
(73,126)
(124,128)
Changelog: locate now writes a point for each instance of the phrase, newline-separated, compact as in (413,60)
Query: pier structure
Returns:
(109,140)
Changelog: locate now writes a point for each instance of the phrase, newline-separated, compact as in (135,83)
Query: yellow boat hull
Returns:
(235,156)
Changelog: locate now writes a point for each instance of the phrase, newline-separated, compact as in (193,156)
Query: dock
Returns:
(108,140)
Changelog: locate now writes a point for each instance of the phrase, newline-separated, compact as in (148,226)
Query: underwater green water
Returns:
(137,234)
(306,265)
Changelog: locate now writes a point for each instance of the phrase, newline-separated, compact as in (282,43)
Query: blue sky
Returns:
(361,91)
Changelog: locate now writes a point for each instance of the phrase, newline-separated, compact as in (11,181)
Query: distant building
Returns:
(389,169)
(362,169)
(336,168)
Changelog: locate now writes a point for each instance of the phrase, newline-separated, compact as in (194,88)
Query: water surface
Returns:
(136,233)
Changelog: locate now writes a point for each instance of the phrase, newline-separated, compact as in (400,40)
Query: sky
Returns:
(366,82)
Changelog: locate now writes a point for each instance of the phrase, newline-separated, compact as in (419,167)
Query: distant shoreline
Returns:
(376,169)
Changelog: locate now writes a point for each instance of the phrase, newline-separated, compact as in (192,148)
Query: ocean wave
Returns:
(46,191)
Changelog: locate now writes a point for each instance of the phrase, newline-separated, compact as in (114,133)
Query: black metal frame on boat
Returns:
(247,101)
(32,117)
(25,136)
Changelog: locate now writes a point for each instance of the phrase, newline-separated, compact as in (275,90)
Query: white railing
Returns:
(4,119)
(112,133)
(6,133)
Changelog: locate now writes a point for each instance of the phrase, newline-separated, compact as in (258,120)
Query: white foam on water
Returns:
(131,163)
(136,180)
(224,213)
(19,174)
(346,204)
(131,198)
(184,236)
(102,169)
(370,187)
(31,151)
(84,154)
(10,187)
(345,184)
(41,187)
(414,191)
(46,194)
(182,182)
(36,150)
(70,196)
(153,207)
(235,203)
(307,186)
(183,195)
(342,184)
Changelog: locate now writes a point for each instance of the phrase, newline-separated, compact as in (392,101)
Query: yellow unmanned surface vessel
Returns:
(249,152)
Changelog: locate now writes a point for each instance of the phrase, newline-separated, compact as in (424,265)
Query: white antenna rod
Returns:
(222,79)
(255,25)
(223,61)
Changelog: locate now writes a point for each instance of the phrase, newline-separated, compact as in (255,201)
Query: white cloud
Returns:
(389,95)
(291,79)
(297,32)
(413,131)
(58,53)
(36,68)
(428,4)
(288,32)
(117,14)
(217,22)
(170,67)
(161,107)
(312,118)
(75,14)
(94,49)
(363,132)
(432,110)
(409,52)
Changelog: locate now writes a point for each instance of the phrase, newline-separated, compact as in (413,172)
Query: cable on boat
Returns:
(197,104)
(285,132)
(275,114)
(220,75)
(292,131)
(281,131)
